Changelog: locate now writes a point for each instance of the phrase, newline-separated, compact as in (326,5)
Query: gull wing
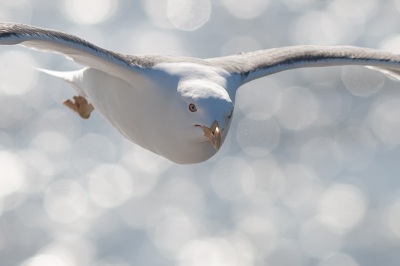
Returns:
(77,49)
(249,66)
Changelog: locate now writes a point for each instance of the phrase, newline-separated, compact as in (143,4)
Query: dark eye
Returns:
(192,107)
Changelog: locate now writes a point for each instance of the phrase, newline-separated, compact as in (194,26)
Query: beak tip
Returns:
(213,133)
(217,136)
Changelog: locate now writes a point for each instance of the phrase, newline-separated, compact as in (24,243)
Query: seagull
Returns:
(177,107)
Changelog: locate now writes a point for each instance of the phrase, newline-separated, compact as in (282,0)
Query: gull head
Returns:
(205,114)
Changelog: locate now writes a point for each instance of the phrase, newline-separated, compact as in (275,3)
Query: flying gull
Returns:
(178,107)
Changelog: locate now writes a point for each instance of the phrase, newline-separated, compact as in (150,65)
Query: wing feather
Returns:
(257,64)
(77,49)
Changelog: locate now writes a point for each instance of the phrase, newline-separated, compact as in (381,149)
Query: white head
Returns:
(199,112)
(204,111)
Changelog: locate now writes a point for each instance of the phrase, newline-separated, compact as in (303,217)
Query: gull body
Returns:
(151,99)
(178,107)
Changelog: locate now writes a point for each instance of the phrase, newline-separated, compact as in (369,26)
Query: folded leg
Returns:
(80,105)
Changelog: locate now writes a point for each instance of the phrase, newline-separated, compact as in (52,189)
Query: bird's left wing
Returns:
(77,49)
(249,66)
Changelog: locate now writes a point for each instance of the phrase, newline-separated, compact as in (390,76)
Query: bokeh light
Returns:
(259,99)
(190,14)
(46,260)
(90,150)
(341,208)
(184,194)
(308,174)
(12,173)
(330,26)
(156,12)
(385,121)
(211,251)
(323,156)
(111,261)
(246,10)
(285,252)
(362,81)
(110,185)
(391,43)
(302,187)
(269,180)
(65,201)
(89,11)
(229,176)
(357,146)
(146,161)
(393,218)
(333,105)
(18,11)
(258,137)
(317,241)
(261,231)
(56,147)
(147,42)
(339,259)
(17,73)
(243,44)
(173,232)
(299,108)
(299,5)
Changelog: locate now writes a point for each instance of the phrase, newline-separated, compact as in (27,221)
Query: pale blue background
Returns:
(309,174)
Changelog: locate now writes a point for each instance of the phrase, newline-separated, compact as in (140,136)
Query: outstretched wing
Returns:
(257,64)
(75,48)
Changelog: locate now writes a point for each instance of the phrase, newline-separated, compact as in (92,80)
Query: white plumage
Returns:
(178,107)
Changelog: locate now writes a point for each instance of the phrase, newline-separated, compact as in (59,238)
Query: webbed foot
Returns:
(79,105)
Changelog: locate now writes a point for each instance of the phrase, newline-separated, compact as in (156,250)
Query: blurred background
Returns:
(309,174)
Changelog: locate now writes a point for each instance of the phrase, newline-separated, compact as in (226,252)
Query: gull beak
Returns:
(213,133)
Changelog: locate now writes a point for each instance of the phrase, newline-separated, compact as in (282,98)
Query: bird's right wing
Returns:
(77,49)
(253,65)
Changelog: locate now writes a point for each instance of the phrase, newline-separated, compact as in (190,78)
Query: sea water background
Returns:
(309,174)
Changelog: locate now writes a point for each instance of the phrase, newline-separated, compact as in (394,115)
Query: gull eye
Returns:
(192,107)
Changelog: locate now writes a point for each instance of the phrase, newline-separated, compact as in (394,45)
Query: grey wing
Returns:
(75,48)
(249,66)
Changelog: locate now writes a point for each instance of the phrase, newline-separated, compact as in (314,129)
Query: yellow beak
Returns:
(213,133)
